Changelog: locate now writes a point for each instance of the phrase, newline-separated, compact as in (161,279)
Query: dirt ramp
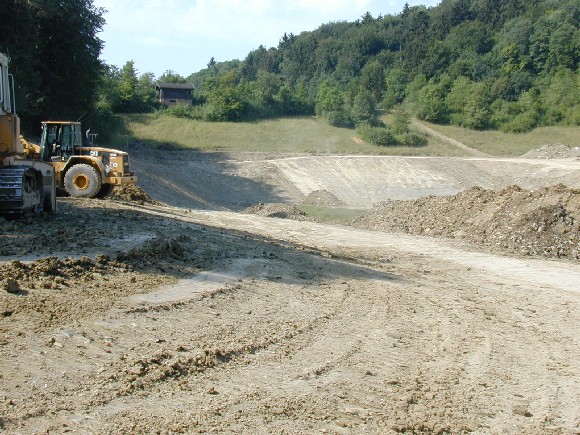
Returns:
(224,181)
(361,181)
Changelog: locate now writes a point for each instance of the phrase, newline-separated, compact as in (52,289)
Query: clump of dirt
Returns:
(553,151)
(54,273)
(156,251)
(284,211)
(131,193)
(544,223)
(322,198)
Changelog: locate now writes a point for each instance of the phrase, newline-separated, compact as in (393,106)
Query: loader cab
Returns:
(59,140)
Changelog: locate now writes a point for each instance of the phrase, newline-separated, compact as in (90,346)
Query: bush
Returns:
(521,123)
(377,135)
(402,121)
(182,111)
(413,138)
(340,118)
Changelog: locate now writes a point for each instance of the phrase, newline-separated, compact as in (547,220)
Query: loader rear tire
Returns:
(105,191)
(82,181)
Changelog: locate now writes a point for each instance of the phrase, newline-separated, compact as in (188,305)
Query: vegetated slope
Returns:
(543,222)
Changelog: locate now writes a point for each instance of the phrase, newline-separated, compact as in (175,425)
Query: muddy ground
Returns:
(451,313)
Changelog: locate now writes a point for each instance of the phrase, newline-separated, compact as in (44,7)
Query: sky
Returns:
(183,35)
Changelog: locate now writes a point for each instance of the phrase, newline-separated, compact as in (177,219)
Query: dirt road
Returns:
(197,321)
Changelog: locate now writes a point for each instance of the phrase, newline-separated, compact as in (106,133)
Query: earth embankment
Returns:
(234,182)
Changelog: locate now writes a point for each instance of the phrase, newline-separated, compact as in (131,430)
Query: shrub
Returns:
(180,111)
(521,123)
(340,118)
(377,135)
(413,138)
(402,121)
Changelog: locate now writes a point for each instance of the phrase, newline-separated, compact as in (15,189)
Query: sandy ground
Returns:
(130,317)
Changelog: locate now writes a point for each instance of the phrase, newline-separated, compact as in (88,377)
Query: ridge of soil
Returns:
(543,222)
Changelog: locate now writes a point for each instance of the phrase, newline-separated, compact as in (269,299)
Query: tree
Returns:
(265,89)
(145,94)
(170,76)
(55,55)
(561,98)
(128,82)
(477,113)
(225,100)
(430,105)
(373,79)
(395,87)
(330,104)
(108,90)
(363,107)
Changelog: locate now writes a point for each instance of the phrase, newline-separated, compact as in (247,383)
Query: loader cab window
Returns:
(1,83)
(60,141)
(4,99)
(51,143)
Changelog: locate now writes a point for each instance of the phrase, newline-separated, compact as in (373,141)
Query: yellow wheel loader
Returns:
(82,170)
(27,186)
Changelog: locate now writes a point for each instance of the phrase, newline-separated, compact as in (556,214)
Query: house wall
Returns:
(171,97)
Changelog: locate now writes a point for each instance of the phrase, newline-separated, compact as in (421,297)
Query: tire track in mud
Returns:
(329,238)
(208,348)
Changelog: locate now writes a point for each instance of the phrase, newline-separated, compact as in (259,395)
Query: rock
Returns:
(11,286)
(521,410)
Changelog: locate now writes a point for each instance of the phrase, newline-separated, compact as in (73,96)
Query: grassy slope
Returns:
(291,135)
(497,143)
(309,135)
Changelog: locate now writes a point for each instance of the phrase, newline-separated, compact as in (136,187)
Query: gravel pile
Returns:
(544,223)
(322,198)
(553,151)
(132,193)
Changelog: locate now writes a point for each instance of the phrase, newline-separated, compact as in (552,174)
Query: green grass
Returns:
(497,143)
(286,135)
(331,214)
(315,136)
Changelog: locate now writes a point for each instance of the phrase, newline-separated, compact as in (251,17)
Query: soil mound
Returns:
(154,251)
(322,198)
(284,211)
(544,222)
(55,273)
(131,193)
(553,151)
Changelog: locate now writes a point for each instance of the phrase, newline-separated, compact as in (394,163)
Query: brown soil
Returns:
(131,192)
(129,316)
(284,211)
(322,198)
(544,222)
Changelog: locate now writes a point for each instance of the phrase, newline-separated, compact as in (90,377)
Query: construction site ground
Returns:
(205,301)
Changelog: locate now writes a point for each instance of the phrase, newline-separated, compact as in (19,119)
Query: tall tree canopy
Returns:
(477,63)
(54,50)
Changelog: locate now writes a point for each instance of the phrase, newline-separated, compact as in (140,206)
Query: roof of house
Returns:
(185,86)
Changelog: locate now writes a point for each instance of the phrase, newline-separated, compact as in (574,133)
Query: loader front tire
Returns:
(82,181)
